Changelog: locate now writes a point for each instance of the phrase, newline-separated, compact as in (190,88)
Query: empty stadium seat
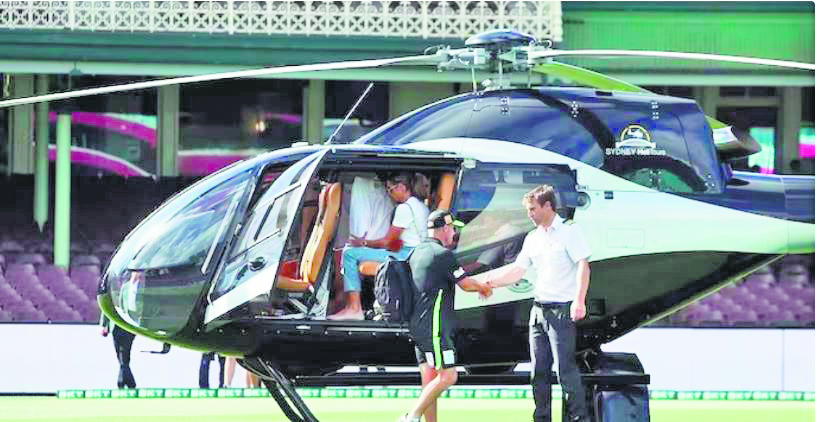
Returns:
(85,260)
(743,317)
(11,245)
(14,269)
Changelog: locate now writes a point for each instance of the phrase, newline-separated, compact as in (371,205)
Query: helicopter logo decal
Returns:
(635,140)
(522,286)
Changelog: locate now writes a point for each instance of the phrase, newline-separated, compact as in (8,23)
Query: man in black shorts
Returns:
(435,271)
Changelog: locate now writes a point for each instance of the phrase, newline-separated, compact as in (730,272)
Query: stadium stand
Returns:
(103,211)
(780,295)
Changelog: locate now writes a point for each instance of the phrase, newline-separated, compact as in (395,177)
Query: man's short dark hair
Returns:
(404,179)
(541,195)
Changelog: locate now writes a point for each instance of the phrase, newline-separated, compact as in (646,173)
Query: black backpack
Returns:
(395,289)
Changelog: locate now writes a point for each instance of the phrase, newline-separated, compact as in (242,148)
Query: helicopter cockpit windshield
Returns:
(162,267)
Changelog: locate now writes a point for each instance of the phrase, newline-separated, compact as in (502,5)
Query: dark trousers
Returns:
(204,370)
(123,341)
(552,332)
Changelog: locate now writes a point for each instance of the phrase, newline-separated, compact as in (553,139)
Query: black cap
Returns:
(440,218)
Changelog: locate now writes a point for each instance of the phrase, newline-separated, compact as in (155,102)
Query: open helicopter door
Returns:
(244,283)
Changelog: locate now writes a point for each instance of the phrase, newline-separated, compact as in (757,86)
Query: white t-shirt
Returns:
(411,217)
(554,253)
(369,208)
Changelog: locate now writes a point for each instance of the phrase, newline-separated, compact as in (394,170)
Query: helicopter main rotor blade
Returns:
(670,55)
(360,64)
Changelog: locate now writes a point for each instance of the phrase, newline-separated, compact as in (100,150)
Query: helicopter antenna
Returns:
(349,113)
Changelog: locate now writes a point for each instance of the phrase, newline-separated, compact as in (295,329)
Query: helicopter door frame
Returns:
(260,256)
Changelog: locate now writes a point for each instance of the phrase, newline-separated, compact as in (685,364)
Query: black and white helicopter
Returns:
(241,262)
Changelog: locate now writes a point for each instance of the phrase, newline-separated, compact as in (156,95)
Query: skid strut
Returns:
(282,390)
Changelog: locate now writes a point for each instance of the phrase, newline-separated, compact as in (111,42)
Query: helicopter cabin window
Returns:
(489,202)
(650,152)
(519,118)
(447,119)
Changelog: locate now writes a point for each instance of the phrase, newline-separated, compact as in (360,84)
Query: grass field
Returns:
(43,409)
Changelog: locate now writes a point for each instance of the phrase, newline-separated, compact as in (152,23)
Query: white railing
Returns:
(417,19)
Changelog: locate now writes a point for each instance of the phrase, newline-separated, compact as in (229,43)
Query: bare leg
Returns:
(427,374)
(445,378)
(354,302)
(229,371)
(252,380)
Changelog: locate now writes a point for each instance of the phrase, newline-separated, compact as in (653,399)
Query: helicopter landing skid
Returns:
(282,389)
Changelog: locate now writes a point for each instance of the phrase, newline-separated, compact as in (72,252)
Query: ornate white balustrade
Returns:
(422,19)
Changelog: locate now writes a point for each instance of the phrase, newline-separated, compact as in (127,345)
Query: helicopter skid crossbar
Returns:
(282,390)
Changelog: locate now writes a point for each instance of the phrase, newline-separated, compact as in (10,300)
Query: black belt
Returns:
(550,305)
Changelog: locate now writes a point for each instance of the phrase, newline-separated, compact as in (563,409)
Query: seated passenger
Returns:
(406,232)
(370,209)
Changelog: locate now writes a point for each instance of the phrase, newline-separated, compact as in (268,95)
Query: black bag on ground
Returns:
(395,289)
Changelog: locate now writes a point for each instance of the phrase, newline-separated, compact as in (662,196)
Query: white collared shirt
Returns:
(554,252)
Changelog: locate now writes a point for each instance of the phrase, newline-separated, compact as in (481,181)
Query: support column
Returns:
(21,127)
(788,128)
(41,156)
(314,109)
(407,96)
(708,99)
(62,196)
(167,140)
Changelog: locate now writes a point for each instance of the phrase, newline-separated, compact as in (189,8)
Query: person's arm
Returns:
(505,276)
(457,275)
(403,217)
(103,321)
(579,252)
(583,280)
(390,241)
(471,285)
(510,274)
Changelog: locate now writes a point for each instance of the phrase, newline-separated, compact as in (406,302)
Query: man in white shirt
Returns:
(558,251)
(370,209)
(406,232)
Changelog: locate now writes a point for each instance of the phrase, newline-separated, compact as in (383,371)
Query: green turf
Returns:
(42,409)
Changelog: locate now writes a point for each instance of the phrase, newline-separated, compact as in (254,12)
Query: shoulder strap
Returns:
(414,224)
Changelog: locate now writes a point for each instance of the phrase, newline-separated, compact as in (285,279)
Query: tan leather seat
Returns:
(445,191)
(329,206)
(443,200)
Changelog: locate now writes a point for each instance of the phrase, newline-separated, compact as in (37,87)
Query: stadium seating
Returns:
(761,299)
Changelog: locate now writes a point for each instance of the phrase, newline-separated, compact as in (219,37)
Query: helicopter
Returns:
(241,262)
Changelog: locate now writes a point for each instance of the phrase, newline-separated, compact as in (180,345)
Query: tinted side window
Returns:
(489,201)
(650,152)
(531,122)
(448,119)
